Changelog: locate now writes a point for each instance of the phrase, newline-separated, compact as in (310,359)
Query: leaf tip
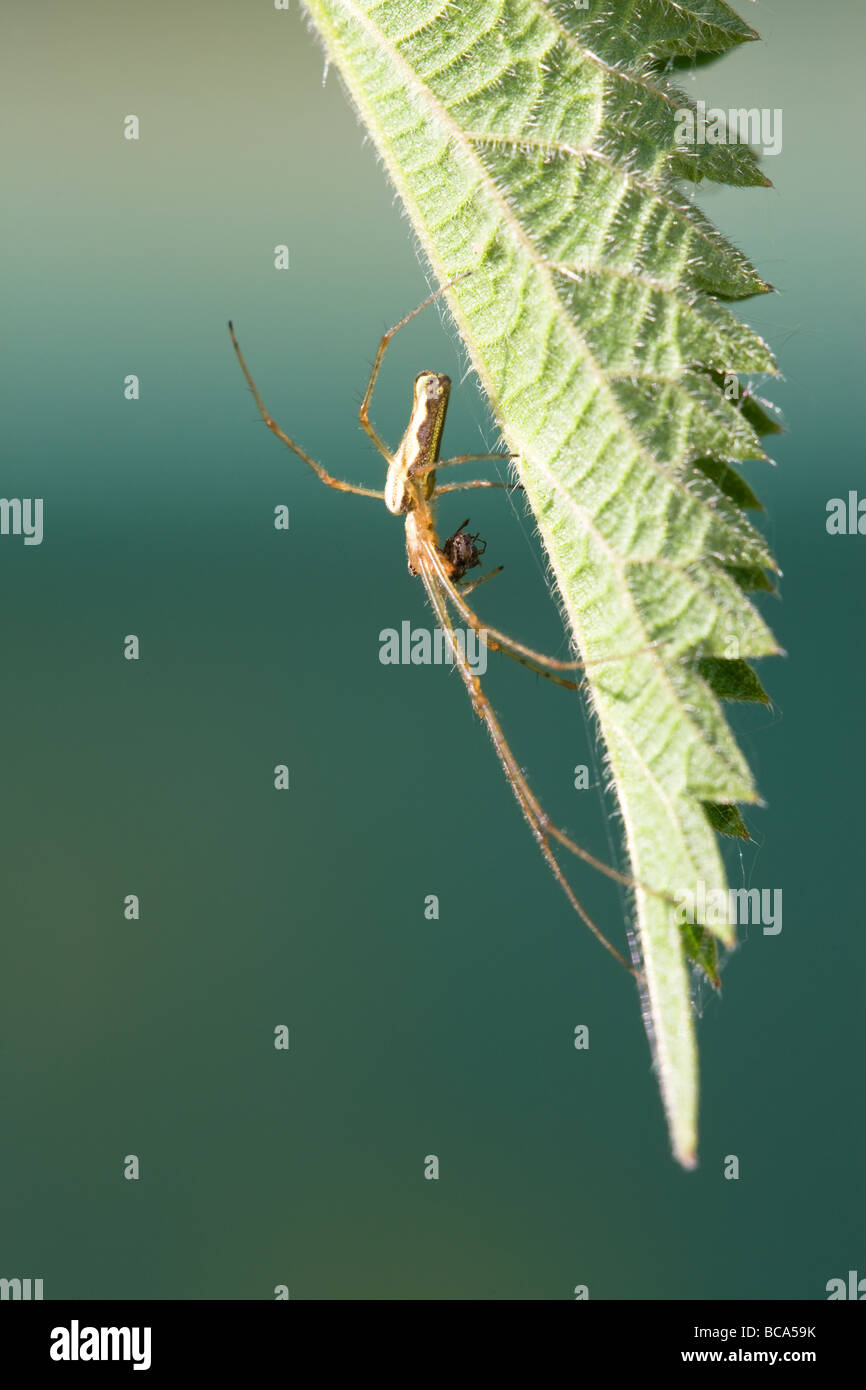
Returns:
(686,1156)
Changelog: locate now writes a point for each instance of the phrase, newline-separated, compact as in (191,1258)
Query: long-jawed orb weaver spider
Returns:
(411,490)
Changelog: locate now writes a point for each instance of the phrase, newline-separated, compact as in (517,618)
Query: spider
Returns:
(411,491)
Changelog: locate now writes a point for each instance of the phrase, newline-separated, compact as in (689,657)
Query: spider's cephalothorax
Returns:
(463,551)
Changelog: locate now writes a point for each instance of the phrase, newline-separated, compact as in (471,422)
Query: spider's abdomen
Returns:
(410,475)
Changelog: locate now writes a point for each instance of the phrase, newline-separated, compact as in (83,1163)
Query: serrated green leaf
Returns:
(733,680)
(726,820)
(537,150)
(731,483)
(702,950)
(751,577)
(635,30)
(764,417)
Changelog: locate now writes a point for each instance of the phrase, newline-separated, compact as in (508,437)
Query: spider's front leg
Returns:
(272,425)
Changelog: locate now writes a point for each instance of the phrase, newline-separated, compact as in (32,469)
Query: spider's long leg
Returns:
(436,464)
(500,641)
(447,591)
(538,822)
(516,656)
(476,482)
(325,476)
(364,413)
(466,587)
(459,458)
(539,816)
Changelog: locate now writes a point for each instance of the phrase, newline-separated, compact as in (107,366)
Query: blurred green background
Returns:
(259,647)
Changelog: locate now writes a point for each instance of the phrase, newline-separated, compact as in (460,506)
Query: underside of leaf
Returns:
(534,143)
